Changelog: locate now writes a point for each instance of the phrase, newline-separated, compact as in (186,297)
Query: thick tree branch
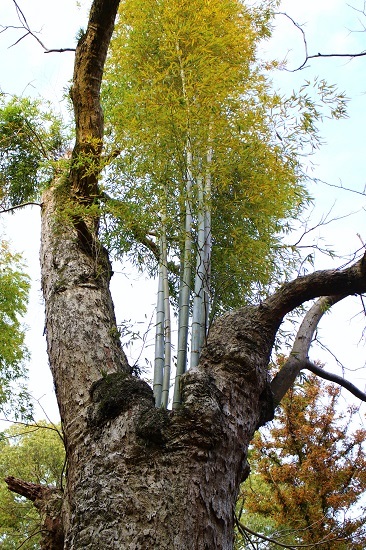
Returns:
(48,501)
(285,378)
(335,282)
(90,57)
(31,491)
(299,360)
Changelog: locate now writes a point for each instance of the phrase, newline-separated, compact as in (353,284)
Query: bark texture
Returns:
(82,338)
(48,501)
(140,477)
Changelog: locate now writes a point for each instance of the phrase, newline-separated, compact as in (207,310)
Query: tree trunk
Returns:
(139,477)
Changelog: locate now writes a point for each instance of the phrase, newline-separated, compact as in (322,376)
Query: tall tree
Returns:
(139,476)
(309,471)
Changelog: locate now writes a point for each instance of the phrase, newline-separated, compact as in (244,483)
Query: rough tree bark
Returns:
(140,477)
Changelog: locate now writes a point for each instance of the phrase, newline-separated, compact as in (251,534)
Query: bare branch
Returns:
(333,355)
(323,221)
(335,378)
(243,530)
(317,55)
(362,193)
(11,208)
(25,27)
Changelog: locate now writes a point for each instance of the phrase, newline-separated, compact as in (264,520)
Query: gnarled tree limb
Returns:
(334,282)
(48,501)
(299,360)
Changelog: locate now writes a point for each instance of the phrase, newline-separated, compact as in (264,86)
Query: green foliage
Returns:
(35,454)
(186,73)
(308,473)
(31,140)
(14,286)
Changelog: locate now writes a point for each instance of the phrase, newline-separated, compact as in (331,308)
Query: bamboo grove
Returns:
(202,181)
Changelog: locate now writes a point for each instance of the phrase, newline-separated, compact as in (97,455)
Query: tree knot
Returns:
(114,394)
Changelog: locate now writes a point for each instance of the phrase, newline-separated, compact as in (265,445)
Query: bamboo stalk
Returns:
(159,342)
(167,323)
(198,312)
(185,286)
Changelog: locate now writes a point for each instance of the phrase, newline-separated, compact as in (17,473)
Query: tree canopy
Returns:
(308,477)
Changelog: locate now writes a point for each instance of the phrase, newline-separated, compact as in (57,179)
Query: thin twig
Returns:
(39,531)
(362,193)
(34,425)
(242,529)
(11,208)
(318,55)
(25,26)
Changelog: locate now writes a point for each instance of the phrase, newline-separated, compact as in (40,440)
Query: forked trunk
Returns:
(137,476)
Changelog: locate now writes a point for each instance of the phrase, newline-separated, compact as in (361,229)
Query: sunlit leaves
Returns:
(185,72)
(31,140)
(309,470)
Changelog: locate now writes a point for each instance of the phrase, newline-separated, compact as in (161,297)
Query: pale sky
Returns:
(330,26)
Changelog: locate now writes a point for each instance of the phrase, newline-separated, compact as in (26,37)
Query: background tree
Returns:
(309,471)
(32,139)
(14,286)
(131,466)
(35,453)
